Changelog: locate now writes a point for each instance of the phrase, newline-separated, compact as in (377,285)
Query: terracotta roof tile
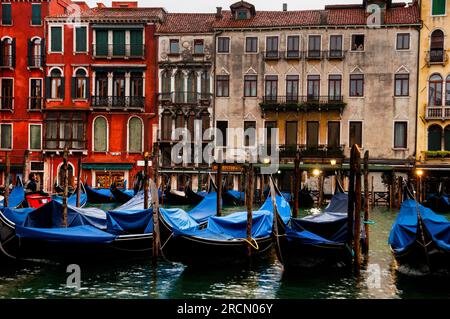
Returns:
(118,14)
(187,23)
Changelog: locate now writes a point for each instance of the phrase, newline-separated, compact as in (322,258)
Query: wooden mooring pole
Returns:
(373,194)
(249,197)
(155,201)
(66,184)
(219,189)
(298,180)
(146,184)
(79,181)
(357,213)
(366,203)
(7,178)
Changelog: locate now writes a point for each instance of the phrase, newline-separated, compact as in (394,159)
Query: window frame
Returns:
(107,134)
(225,141)
(308,49)
(31,79)
(31,20)
(50,44)
(12,136)
(252,125)
(223,79)
(405,137)
(330,80)
(196,43)
(173,41)
(339,132)
(362,132)
(128,135)
(29,136)
(13,92)
(253,82)
(402,92)
(84,96)
(75,27)
(246,44)
(10,12)
(434,84)
(351,42)
(218,45)
(62,83)
(438,15)
(409,41)
(357,80)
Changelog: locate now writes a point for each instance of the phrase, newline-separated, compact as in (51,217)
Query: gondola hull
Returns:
(192,197)
(120,196)
(96,197)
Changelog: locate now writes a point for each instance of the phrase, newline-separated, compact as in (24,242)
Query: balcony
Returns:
(125,51)
(309,151)
(437,113)
(192,98)
(7,61)
(335,54)
(293,55)
(58,145)
(118,103)
(35,61)
(436,57)
(314,54)
(35,103)
(272,55)
(302,103)
(6,103)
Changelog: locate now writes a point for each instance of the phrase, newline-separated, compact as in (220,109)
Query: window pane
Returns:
(6,136)
(355,134)
(174,46)
(119,43)
(312,134)
(135,135)
(56,39)
(100,135)
(291,133)
(101,38)
(434,138)
(334,132)
(35,137)
(80,39)
(36,14)
(250,133)
(136,43)
(400,134)
(6,14)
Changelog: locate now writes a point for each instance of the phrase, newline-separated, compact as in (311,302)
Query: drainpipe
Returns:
(216,33)
(417,92)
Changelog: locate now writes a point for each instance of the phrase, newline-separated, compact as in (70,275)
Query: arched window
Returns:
(80,87)
(7,45)
(447,138)
(56,84)
(437,46)
(135,137)
(192,87)
(100,134)
(35,54)
(136,90)
(166,82)
(435,90)
(205,83)
(179,87)
(166,126)
(434,138)
(447,91)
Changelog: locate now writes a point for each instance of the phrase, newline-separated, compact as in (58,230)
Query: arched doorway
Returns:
(434,138)
(447,138)
(437,46)
(70,172)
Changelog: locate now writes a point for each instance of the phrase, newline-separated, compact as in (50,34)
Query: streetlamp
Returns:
(316,172)
(333,162)
(419,174)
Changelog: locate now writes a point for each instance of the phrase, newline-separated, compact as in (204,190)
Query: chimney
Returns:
(219,13)
(285,7)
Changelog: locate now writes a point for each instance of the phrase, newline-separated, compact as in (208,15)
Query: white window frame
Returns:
(229,45)
(128,135)
(50,26)
(410,41)
(438,15)
(351,42)
(362,133)
(29,89)
(257,44)
(107,134)
(75,27)
(14,88)
(12,136)
(29,136)
(393,135)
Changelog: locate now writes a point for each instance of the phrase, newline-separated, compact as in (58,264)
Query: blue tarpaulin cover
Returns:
(120,221)
(233,226)
(72,200)
(17,216)
(404,230)
(205,209)
(16,197)
(237,195)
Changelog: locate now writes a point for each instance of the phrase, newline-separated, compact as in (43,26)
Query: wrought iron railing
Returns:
(35,61)
(436,56)
(35,103)
(182,97)
(7,61)
(118,102)
(6,103)
(118,51)
(296,102)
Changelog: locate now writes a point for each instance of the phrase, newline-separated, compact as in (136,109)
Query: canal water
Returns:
(137,279)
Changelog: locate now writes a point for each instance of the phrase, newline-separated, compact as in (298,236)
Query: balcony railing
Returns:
(118,102)
(35,61)
(185,98)
(316,151)
(6,103)
(314,54)
(118,51)
(437,57)
(60,144)
(272,55)
(335,54)
(306,103)
(7,61)
(437,113)
(35,103)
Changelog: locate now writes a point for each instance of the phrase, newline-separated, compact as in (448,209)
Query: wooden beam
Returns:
(298,181)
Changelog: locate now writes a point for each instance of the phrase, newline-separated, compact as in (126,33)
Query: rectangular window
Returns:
(313,87)
(334,87)
(312,134)
(357,42)
(403,40)
(336,46)
(222,127)
(223,86)
(402,85)
(56,39)
(81,39)
(7,94)
(35,94)
(136,43)
(292,89)
(271,87)
(250,85)
(35,137)
(101,43)
(272,47)
(36,14)
(250,133)
(63,129)
(314,46)
(438,7)
(357,85)
(400,134)
(174,46)
(355,134)
(334,134)
(6,14)
(223,45)
(6,136)
(199,47)
(269,125)
(119,48)
(293,46)
(251,44)
(291,133)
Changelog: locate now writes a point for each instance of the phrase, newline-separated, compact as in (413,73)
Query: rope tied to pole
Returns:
(251,241)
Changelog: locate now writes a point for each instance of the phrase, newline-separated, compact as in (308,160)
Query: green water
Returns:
(137,279)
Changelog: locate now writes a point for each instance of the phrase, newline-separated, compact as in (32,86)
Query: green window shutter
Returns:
(6,136)
(6,14)
(56,37)
(36,17)
(439,7)
(101,43)
(63,89)
(434,138)
(100,132)
(119,43)
(136,41)
(35,137)
(81,39)
(135,135)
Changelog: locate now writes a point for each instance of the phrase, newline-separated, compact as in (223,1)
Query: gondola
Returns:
(16,197)
(121,195)
(420,239)
(233,198)
(72,199)
(197,197)
(174,197)
(223,241)
(439,202)
(99,195)
(317,240)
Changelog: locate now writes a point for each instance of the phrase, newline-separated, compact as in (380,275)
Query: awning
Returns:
(108,166)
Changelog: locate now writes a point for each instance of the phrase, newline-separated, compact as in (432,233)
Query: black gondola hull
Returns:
(97,198)
(120,196)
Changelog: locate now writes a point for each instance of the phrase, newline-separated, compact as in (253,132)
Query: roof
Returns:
(115,14)
(331,16)
(175,23)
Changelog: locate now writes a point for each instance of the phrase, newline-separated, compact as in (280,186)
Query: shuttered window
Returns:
(119,43)
(5,136)
(136,43)
(135,135)
(35,137)
(100,135)
(81,39)
(36,15)
(56,39)
(438,7)
(101,45)
(6,14)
